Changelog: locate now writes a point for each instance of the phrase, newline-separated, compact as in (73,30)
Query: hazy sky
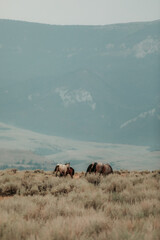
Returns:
(88,12)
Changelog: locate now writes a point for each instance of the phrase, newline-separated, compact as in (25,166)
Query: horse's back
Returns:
(63,167)
(107,169)
(99,167)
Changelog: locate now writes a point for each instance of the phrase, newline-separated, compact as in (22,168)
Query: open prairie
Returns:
(38,205)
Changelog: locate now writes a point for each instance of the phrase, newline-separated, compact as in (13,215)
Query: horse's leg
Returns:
(102,170)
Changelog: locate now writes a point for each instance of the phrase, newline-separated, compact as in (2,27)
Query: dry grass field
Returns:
(36,205)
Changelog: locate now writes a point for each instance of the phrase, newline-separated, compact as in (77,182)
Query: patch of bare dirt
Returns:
(5,198)
(76,176)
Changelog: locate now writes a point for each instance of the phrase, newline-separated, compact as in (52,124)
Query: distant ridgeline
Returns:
(92,83)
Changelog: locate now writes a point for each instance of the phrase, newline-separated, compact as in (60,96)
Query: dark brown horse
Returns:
(70,171)
(100,168)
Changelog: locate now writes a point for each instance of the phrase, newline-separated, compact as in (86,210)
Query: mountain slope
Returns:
(81,82)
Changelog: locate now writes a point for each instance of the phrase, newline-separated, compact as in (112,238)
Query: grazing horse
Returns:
(62,169)
(70,171)
(100,168)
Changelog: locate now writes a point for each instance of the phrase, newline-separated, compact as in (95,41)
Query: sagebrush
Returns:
(38,205)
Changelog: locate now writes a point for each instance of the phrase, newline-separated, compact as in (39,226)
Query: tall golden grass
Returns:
(37,205)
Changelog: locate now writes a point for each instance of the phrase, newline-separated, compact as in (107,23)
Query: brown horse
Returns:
(100,168)
(70,171)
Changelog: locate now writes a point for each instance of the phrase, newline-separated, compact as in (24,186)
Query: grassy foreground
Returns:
(37,205)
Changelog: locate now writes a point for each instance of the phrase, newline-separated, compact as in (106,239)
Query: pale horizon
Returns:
(116,23)
(80,12)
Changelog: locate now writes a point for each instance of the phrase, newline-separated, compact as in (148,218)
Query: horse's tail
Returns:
(111,169)
(94,167)
(72,171)
(90,165)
